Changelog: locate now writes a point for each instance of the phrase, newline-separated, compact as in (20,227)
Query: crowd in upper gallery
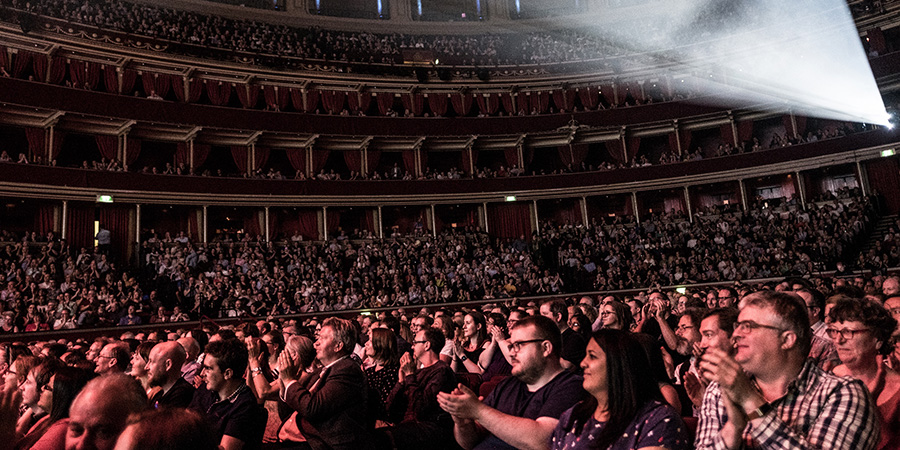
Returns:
(49,284)
(536,47)
(401,172)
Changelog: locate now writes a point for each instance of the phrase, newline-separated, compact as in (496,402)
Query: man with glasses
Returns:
(892,304)
(768,395)
(113,358)
(523,410)
(412,406)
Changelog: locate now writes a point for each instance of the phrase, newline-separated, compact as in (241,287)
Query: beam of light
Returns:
(805,55)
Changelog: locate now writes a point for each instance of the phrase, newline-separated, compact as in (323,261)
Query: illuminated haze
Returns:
(801,54)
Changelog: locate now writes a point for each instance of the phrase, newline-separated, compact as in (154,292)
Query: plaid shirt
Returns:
(820,411)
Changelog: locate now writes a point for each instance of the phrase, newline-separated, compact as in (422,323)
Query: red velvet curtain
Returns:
(297,157)
(462,103)
(320,157)
(365,100)
(673,143)
(488,104)
(353,101)
(372,159)
(239,153)
(110,78)
(219,92)
(58,138)
(36,141)
(80,225)
(686,137)
(385,102)
(540,101)
(297,99)
(45,219)
(276,98)
(614,148)
(333,101)
(159,83)
(248,94)
(353,159)
(589,97)
(414,102)
(76,73)
(512,156)
(523,103)
(92,77)
(438,104)
(312,101)
(261,156)
(801,125)
(251,224)
(115,219)
(564,99)
(194,225)
(572,154)
(58,71)
(108,146)
(369,218)
(309,224)
(333,221)
(745,130)
(506,100)
(409,161)
(884,178)
(201,152)
(4,58)
(21,62)
(634,145)
(727,133)
(608,91)
(182,153)
(466,164)
(39,65)
(509,220)
(129,77)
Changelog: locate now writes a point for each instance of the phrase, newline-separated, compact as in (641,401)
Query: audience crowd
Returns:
(757,364)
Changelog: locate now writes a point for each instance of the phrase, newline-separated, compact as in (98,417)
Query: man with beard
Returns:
(164,371)
(523,410)
(687,337)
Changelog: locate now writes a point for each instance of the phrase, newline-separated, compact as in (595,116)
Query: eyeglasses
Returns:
(418,342)
(105,356)
(747,326)
(516,346)
(845,333)
(684,328)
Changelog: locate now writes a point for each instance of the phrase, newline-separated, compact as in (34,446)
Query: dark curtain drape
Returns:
(614,148)
(462,103)
(45,219)
(353,159)
(509,220)
(58,138)
(108,146)
(129,77)
(309,224)
(372,159)
(540,101)
(365,100)
(727,133)
(884,178)
(39,65)
(21,62)
(115,218)
(312,101)
(369,219)
(564,99)
(239,154)
(194,224)
(58,72)
(608,92)
(159,83)
(80,225)
(110,79)
(182,153)
(92,77)
(437,103)
(589,97)
(4,58)
(251,224)
(673,143)
(261,156)
(297,158)
(219,92)
(788,126)
(201,152)
(466,164)
(248,94)
(512,156)
(333,221)
(633,145)
(36,141)
(333,101)
(76,73)
(276,97)
(297,99)
(876,40)
(506,100)
(385,102)
(414,103)
(488,104)
(320,157)
(686,138)
(572,154)
(409,161)
(745,130)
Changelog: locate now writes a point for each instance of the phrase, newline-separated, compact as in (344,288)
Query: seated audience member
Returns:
(226,401)
(815,304)
(139,365)
(381,376)
(625,409)
(658,371)
(494,358)
(166,429)
(716,329)
(36,399)
(892,305)
(467,350)
(769,394)
(277,429)
(861,330)
(114,358)
(191,366)
(100,411)
(613,314)
(58,395)
(573,344)
(331,404)
(412,408)
(164,371)
(523,410)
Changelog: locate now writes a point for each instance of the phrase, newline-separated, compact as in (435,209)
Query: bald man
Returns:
(164,371)
(191,366)
(100,411)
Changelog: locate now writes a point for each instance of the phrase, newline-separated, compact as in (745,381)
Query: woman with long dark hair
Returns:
(625,409)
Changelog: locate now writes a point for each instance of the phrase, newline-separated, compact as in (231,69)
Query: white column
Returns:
(137,223)
(379,224)
(743,190)
(634,206)
(863,178)
(584,213)
(687,203)
(268,237)
(203,231)
(801,188)
(325,223)
(433,221)
(484,218)
(65,218)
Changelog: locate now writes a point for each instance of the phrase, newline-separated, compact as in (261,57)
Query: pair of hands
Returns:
(463,403)
(738,393)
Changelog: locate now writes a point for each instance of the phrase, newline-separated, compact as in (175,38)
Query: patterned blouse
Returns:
(655,425)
